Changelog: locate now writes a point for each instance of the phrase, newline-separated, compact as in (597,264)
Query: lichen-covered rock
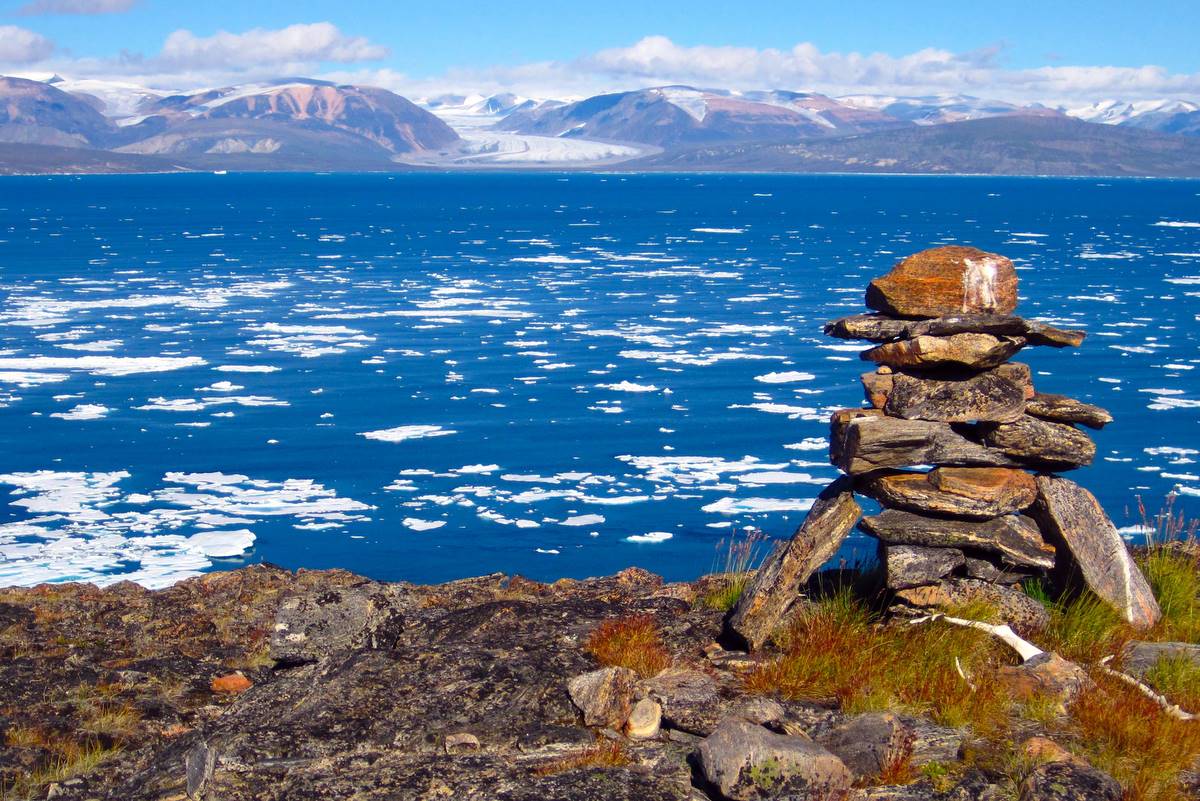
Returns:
(967,350)
(871,743)
(690,699)
(323,621)
(1061,409)
(974,492)
(946,280)
(777,585)
(745,762)
(1014,537)
(955,397)
(604,696)
(1073,518)
(1016,608)
(914,565)
(1069,781)
(1046,675)
(1138,657)
(862,442)
(1040,443)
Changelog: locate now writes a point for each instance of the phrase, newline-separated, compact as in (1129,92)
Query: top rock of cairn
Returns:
(946,280)
(960,451)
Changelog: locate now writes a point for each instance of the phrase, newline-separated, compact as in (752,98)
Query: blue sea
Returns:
(426,377)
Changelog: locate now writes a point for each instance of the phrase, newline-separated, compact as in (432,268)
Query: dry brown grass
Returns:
(604,754)
(837,651)
(631,642)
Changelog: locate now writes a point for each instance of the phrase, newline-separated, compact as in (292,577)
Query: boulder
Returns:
(690,700)
(970,351)
(866,440)
(1138,657)
(914,565)
(745,762)
(1014,607)
(604,696)
(955,397)
(1014,537)
(1041,443)
(321,622)
(1061,409)
(870,744)
(1046,675)
(644,720)
(778,583)
(975,492)
(1087,540)
(1069,781)
(946,280)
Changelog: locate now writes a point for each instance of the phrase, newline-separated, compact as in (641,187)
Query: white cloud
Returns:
(40,7)
(21,46)
(314,43)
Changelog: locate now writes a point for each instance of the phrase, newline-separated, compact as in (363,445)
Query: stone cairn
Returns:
(962,453)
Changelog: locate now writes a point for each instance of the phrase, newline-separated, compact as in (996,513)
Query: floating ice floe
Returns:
(402,433)
(650,538)
(103,365)
(628,386)
(739,506)
(784,377)
(83,411)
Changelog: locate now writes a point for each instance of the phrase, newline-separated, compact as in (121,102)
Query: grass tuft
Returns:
(604,754)
(735,563)
(630,642)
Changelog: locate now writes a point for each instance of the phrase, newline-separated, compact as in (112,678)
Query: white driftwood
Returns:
(1171,709)
(1025,649)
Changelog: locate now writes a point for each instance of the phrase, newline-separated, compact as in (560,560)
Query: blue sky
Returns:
(574,48)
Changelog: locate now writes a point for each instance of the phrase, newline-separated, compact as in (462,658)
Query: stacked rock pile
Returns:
(962,453)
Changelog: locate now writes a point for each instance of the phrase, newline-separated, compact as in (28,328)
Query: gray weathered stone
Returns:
(974,492)
(777,585)
(871,743)
(1041,443)
(745,762)
(690,700)
(1014,537)
(1138,657)
(1072,518)
(865,442)
(913,565)
(1061,409)
(318,623)
(1069,781)
(955,397)
(882,328)
(604,696)
(1016,608)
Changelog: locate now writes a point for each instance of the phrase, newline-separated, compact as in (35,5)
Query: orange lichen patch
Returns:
(946,280)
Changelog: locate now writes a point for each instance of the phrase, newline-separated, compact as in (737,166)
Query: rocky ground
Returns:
(263,684)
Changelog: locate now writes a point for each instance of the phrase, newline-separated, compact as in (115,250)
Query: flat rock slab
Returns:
(1137,657)
(1073,518)
(955,397)
(1040,443)
(746,762)
(974,492)
(908,566)
(777,585)
(1017,609)
(967,350)
(866,440)
(321,622)
(1061,409)
(1013,537)
(946,280)
(883,328)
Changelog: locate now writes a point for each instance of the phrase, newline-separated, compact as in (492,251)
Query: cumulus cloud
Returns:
(313,43)
(21,46)
(41,7)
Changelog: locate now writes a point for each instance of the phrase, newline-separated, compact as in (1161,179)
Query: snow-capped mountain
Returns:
(940,109)
(1166,116)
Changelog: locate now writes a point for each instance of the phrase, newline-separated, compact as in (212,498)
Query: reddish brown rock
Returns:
(777,585)
(1073,518)
(967,350)
(1061,409)
(1041,443)
(1020,374)
(877,385)
(975,492)
(231,684)
(944,281)
(958,397)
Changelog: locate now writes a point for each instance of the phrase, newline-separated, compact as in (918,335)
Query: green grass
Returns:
(734,565)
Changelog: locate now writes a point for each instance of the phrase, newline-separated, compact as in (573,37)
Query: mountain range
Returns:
(64,125)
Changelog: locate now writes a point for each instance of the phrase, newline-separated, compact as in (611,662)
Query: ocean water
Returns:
(425,376)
